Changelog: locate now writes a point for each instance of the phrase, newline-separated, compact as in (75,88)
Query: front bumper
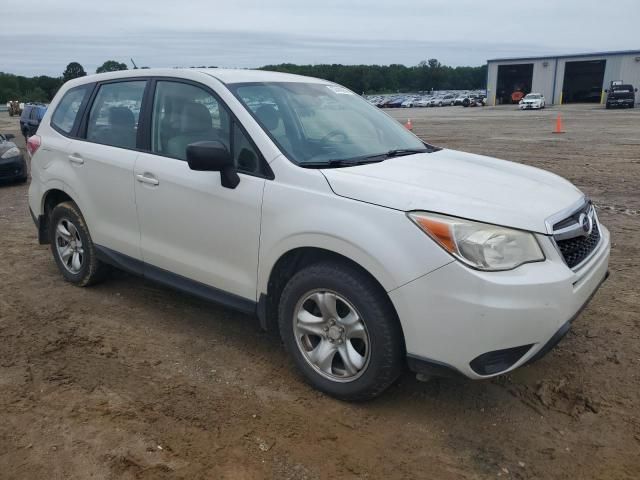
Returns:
(13,168)
(621,102)
(530,106)
(482,324)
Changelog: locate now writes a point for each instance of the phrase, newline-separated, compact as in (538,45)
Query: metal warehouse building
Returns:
(561,79)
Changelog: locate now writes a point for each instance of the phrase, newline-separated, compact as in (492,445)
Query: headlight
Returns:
(480,245)
(12,152)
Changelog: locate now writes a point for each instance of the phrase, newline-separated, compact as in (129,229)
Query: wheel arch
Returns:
(292,261)
(52,197)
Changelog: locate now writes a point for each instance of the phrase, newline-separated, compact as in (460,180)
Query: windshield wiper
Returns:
(405,151)
(343,162)
(375,158)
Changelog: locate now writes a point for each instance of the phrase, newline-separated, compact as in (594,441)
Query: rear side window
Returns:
(66,112)
(113,119)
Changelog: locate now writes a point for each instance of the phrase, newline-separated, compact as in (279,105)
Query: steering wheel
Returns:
(334,133)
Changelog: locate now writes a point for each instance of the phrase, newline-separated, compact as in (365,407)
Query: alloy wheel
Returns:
(331,336)
(69,246)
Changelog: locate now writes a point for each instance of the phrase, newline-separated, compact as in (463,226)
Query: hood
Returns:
(5,145)
(459,184)
(531,100)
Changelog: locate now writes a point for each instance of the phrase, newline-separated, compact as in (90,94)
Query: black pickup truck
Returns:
(621,96)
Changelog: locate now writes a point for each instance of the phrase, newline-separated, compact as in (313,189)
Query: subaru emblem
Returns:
(586,222)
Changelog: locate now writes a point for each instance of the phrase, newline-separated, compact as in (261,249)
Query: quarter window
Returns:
(113,119)
(67,110)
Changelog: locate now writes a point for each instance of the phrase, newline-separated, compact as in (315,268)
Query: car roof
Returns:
(224,75)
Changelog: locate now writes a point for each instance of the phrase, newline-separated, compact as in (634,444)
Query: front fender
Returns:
(333,244)
(381,240)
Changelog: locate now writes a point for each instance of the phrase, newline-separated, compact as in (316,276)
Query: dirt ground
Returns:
(130,380)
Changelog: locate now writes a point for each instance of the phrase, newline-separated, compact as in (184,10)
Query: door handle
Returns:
(73,158)
(148,180)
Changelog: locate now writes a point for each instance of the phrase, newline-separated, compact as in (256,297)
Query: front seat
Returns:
(195,124)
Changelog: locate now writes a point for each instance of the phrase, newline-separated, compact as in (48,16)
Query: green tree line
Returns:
(425,76)
(43,88)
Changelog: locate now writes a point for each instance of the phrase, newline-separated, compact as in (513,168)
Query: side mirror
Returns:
(606,91)
(213,156)
(636,90)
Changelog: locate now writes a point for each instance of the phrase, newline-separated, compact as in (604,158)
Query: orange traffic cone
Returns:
(408,125)
(559,125)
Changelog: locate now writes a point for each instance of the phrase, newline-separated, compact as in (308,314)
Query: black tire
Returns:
(92,270)
(386,346)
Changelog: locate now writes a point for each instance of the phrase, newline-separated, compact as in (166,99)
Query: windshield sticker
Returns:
(339,90)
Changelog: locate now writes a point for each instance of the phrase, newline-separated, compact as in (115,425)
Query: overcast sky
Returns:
(42,36)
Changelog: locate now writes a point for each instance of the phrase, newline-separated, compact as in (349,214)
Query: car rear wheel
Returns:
(72,247)
(341,331)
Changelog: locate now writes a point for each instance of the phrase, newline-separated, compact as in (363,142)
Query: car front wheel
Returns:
(341,331)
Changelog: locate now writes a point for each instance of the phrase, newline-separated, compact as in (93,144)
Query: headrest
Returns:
(194,118)
(268,116)
(121,117)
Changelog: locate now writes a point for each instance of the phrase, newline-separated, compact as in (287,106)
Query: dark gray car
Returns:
(13,166)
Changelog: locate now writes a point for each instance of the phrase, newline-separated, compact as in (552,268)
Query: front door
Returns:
(190,224)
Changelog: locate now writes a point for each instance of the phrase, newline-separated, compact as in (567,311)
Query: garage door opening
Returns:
(583,81)
(514,82)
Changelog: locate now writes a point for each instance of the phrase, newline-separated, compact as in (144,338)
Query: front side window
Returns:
(317,123)
(185,113)
(113,119)
(67,110)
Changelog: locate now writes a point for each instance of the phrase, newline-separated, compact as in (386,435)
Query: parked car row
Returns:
(438,99)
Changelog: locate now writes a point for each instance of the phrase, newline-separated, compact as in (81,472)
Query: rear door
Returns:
(102,161)
(192,226)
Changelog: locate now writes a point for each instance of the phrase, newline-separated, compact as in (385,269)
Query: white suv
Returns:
(294,199)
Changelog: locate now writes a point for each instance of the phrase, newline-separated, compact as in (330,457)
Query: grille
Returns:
(573,218)
(576,250)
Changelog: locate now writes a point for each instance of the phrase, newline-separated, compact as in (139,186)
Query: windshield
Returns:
(533,96)
(318,123)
